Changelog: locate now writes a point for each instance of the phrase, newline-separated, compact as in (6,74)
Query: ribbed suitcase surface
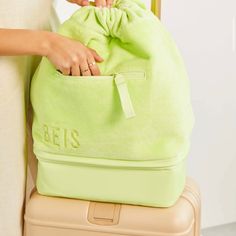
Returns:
(50,216)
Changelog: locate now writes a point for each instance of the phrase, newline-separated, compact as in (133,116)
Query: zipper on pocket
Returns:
(120,80)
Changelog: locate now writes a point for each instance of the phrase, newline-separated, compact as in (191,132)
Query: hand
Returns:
(98,3)
(71,57)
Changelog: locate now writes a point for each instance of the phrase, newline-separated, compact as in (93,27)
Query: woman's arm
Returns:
(68,56)
(22,42)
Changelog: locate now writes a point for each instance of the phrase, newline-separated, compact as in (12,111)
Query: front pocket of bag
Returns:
(84,115)
(102,89)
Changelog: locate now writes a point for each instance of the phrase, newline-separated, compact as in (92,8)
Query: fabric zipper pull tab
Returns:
(125,99)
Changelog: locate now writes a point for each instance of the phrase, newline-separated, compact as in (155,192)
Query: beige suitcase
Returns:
(50,216)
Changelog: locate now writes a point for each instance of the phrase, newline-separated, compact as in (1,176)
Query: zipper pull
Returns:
(125,99)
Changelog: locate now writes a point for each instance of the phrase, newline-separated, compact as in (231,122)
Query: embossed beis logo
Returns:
(61,137)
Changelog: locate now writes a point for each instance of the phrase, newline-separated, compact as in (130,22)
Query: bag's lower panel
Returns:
(158,188)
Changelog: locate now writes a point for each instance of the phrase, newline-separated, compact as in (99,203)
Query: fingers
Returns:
(85,66)
(84,3)
(100,3)
(75,70)
(109,3)
(93,66)
(88,64)
(80,2)
(71,57)
(65,70)
(95,55)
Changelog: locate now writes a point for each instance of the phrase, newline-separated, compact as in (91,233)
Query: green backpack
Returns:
(122,136)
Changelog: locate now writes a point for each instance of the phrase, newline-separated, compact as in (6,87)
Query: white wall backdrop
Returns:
(204,32)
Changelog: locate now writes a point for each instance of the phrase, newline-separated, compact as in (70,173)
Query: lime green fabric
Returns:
(134,121)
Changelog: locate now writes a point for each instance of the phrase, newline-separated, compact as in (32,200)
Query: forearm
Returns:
(23,42)
(67,55)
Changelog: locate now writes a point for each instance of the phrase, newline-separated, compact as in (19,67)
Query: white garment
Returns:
(15,74)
